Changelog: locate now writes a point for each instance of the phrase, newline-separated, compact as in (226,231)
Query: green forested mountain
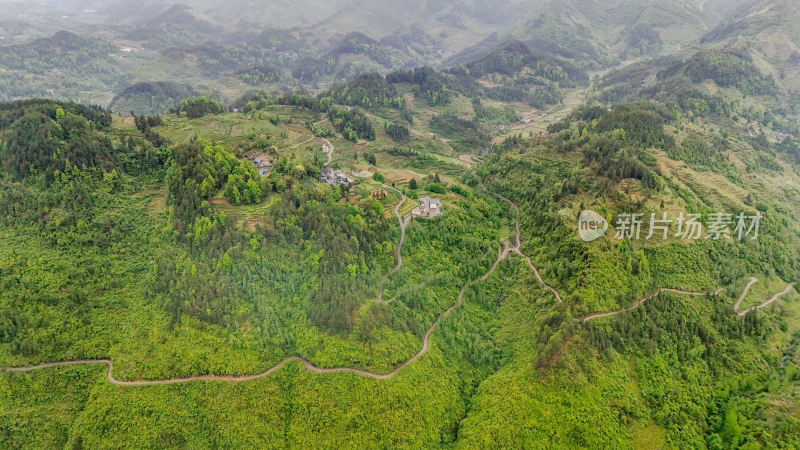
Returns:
(408,225)
(46,139)
(368,90)
(725,69)
(62,49)
(175,26)
(64,61)
(151,97)
(592,33)
(198,43)
(768,31)
(723,84)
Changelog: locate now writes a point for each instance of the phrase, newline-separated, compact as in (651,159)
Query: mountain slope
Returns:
(178,25)
(591,31)
(770,31)
(64,65)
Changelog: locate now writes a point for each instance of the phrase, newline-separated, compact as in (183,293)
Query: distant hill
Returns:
(723,84)
(354,54)
(273,14)
(179,25)
(513,57)
(151,97)
(726,69)
(560,30)
(64,50)
(63,65)
(770,31)
(427,29)
(314,45)
(592,32)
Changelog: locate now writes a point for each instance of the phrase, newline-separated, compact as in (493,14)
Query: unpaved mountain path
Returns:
(641,301)
(503,254)
(517,248)
(331,148)
(303,142)
(766,303)
(751,282)
(398,251)
(746,289)
(306,363)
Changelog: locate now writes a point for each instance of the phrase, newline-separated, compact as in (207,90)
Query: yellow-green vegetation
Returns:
(158,244)
(40,409)
(248,261)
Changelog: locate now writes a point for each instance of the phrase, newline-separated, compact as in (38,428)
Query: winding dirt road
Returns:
(641,301)
(766,303)
(331,148)
(301,143)
(503,254)
(746,289)
(517,248)
(751,282)
(306,363)
(399,249)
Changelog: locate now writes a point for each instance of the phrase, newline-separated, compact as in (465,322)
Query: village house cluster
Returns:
(428,208)
(331,176)
(262,163)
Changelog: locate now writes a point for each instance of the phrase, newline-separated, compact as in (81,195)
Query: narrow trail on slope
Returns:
(517,248)
(641,301)
(503,254)
(331,148)
(399,249)
(753,280)
(746,289)
(304,142)
(306,363)
(788,288)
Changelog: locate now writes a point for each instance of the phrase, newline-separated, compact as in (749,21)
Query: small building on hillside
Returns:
(262,161)
(327,175)
(428,208)
(342,178)
(331,176)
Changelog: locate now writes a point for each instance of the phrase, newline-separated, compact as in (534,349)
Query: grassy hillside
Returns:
(358,224)
(179,259)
